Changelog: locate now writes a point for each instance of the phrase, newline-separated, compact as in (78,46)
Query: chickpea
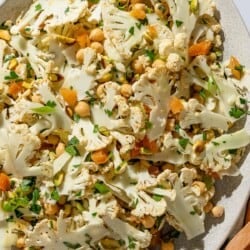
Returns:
(60,149)
(136,1)
(20,243)
(82,109)
(51,209)
(139,6)
(208,207)
(126,90)
(100,91)
(148,221)
(167,245)
(138,67)
(217,211)
(98,47)
(158,63)
(161,9)
(79,55)
(96,35)
(53,139)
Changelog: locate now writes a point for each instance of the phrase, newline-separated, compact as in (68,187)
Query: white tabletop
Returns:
(244,7)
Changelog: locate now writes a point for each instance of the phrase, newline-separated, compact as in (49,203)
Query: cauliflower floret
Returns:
(43,235)
(122,106)
(17,147)
(215,157)
(153,89)
(127,141)
(136,119)
(180,41)
(148,206)
(128,233)
(89,135)
(174,62)
(116,26)
(165,47)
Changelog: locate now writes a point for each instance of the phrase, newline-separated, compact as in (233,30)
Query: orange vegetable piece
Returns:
(69,96)
(15,88)
(235,67)
(202,48)
(82,37)
(100,156)
(152,31)
(4,182)
(150,145)
(176,105)
(138,14)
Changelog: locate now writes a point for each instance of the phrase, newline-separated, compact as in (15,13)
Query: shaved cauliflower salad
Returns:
(116,117)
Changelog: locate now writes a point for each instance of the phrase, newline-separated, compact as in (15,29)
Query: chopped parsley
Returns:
(101,188)
(183,142)
(237,112)
(92,98)
(131,243)
(243,101)
(76,118)
(215,143)
(204,136)
(232,151)
(71,147)
(96,128)
(12,76)
(178,23)
(240,68)
(148,125)
(212,85)
(55,195)
(157,197)
(71,245)
(66,10)
(48,108)
(131,30)
(150,54)
(192,212)
(38,7)
(108,112)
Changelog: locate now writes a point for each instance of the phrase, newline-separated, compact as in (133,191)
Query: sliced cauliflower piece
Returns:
(216,157)
(44,14)
(174,62)
(17,147)
(116,26)
(88,135)
(128,233)
(153,89)
(43,235)
(127,141)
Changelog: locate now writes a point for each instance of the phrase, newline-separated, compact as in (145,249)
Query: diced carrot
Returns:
(82,37)
(69,96)
(176,105)
(236,67)
(100,156)
(14,89)
(4,182)
(138,14)
(202,48)
(150,145)
(152,31)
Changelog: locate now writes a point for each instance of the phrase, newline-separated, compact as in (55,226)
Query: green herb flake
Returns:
(178,23)
(12,76)
(208,181)
(138,25)
(212,86)
(71,245)
(35,208)
(131,30)
(76,118)
(66,10)
(55,195)
(8,58)
(177,128)
(243,101)
(38,7)
(203,94)
(94,214)
(148,125)
(150,54)
(240,68)
(131,243)
(192,212)
(236,112)
(47,109)
(215,143)
(157,197)
(71,147)
(91,98)
(183,142)
(101,188)
(232,151)
(108,112)
(204,136)
(96,128)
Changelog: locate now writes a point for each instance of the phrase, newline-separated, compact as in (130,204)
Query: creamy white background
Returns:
(244,7)
(233,192)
